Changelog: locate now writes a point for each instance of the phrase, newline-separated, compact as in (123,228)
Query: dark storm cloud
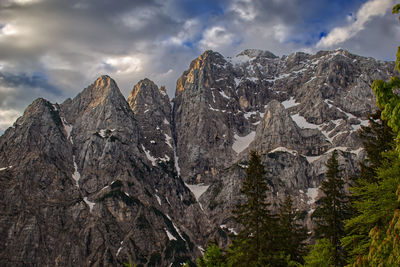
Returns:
(37,80)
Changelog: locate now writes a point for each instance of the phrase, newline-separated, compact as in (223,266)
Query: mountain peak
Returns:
(254,53)
(145,93)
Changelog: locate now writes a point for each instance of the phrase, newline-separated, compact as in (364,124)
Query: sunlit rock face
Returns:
(98,179)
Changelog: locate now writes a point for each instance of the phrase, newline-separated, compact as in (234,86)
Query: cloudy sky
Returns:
(55,48)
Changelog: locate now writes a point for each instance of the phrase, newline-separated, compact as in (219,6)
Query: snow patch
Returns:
(312,194)
(247,115)
(358,126)
(149,157)
(341,148)
(240,59)
(223,226)
(224,95)
(5,168)
(311,159)
(119,250)
(284,149)
(357,151)
(176,158)
(177,230)
(103,132)
(242,142)
(158,199)
(170,236)
(290,103)
(197,189)
(89,203)
(165,121)
(215,109)
(237,82)
(202,250)
(76,175)
(302,122)
(280,77)
(168,140)
(165,158)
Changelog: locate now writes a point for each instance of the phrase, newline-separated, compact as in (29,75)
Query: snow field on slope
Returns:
(242,142)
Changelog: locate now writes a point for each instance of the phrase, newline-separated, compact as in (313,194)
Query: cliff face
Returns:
(98,178)
(294,110)
(81,188)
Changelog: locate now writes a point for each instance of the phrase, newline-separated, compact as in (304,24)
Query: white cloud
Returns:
(190,29)
(367,11)
(138,19)
(9,29)
(216,37)
(124,64)
(7,117)
(281,32)
(7,3)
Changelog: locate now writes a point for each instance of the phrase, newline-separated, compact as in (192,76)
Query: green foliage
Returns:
(213,257)
(377,139)
(255,245)
(321,254)
(385,245)
(332,209)
(396,9)
(388,100)
(375,199)
(292,234)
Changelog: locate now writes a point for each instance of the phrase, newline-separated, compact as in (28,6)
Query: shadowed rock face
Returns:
(79,189)
(98,179)
(152,112)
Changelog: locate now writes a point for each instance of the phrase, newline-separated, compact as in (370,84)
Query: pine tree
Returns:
(377,140)
(254,244)
(332,209)
(293,234)
(385,247)
(213,257)
(321,254)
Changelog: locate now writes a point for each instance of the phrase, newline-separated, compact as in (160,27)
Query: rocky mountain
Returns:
(98,179)
(80,187)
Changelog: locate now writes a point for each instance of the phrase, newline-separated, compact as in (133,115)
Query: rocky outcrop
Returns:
(204,119)
(152,111)
(79,189)
(98,179)
(294,110)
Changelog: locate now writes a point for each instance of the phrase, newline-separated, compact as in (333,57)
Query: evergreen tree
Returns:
(385,247)
(255,244)
(332,209)
(213,257)
(293,234)
(321,254)
(377,140)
